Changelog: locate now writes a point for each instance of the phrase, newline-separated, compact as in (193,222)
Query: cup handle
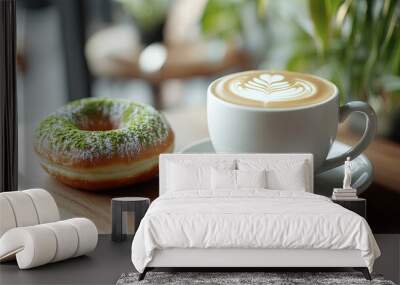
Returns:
(368,135)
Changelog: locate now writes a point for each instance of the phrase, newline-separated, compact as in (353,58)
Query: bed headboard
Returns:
(164,158)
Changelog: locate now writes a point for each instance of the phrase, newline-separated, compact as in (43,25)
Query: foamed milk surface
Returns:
(273,89)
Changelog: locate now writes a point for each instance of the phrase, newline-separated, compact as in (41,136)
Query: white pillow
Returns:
(293,179)
(223,179)
(289,175)
(184,177)
(251,178)
(237,179)
(189,175)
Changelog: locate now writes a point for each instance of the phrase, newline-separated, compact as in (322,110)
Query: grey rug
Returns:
(229,278)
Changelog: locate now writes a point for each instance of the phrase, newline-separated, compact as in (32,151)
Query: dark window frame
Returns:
(8,98)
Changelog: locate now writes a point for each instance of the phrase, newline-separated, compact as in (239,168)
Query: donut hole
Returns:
(97,122)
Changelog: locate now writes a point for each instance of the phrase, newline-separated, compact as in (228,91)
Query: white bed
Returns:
(248,227)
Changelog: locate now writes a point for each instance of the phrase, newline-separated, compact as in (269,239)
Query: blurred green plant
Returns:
(148,14)
(355,43)
(223,18)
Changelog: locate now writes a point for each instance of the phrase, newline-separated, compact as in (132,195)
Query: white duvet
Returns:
(250,219)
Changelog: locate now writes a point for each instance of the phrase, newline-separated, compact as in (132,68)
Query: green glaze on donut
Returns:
(136,126)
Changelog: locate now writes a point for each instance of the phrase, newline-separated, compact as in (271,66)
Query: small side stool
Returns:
(137,205)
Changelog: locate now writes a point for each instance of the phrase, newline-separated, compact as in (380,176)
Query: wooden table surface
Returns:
(189,125)
(385,156)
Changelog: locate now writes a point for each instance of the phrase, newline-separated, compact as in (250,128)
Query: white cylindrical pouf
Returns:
(31,232)
(67,239)
(23,208)
(87,234)
(45,205)
(7,218)
(40,244)
(33,246)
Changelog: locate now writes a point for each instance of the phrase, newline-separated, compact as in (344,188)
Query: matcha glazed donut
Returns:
(99,143)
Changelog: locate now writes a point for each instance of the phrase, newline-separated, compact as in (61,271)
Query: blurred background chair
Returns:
(169,48)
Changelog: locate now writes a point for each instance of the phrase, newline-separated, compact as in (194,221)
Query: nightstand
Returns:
(357,205)
(119,206)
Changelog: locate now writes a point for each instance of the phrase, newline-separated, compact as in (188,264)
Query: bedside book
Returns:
(341,190)
(344,194)
(348,194)
(344,198)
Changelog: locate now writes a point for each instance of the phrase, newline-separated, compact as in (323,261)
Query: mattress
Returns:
(250,219)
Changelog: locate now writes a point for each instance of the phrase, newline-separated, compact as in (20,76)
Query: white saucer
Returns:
(324,182)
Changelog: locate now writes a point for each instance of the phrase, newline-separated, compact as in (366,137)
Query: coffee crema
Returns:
(273,89)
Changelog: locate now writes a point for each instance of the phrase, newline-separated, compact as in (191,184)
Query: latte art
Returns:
(273,89)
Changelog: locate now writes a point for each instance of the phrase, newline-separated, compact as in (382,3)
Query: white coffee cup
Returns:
(302,127)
